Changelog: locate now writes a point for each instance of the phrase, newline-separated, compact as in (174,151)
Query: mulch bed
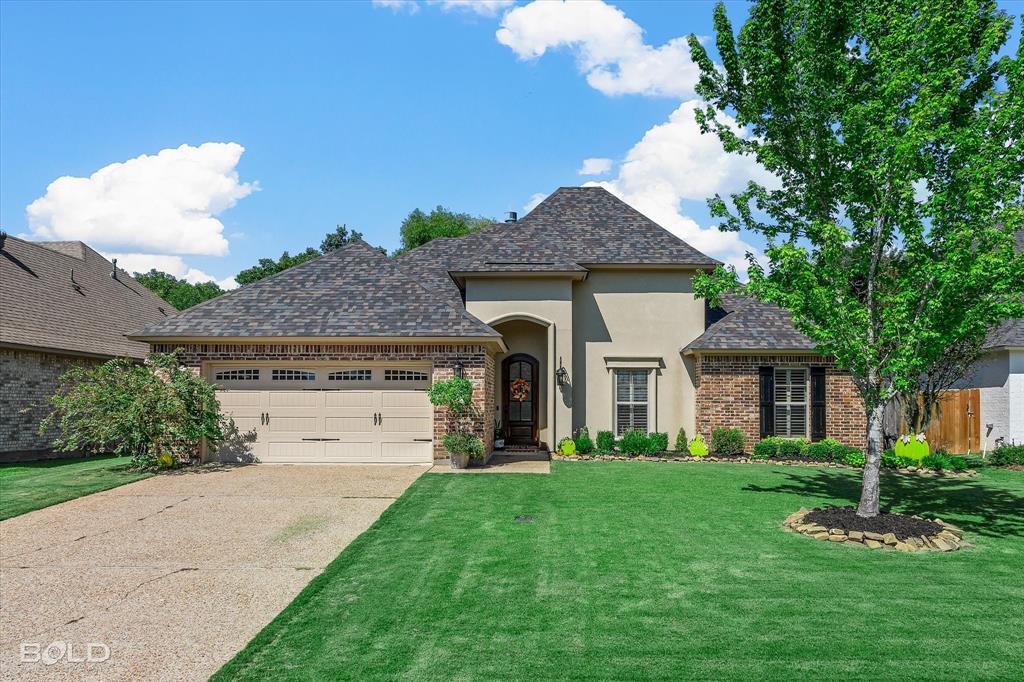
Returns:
(846,518)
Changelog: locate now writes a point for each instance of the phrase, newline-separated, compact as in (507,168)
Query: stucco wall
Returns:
(1000,379)
(623,315)
(531,338)
(27,380)
(546,302)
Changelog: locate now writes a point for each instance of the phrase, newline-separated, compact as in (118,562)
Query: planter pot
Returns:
(499,443)
(459,461)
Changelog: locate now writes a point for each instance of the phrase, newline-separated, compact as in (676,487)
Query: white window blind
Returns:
(631,400)
(791,402)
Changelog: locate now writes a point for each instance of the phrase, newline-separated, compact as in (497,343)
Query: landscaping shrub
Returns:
(634,443)
(154,410)
(567,447)
(958,463)
(853,457)
(463,444)
(605,442)
(791,448)
(825,450)
(584,444)
(697,447)
(727,441)
(659,442)
(1007,455)
(767,448)
(681,442)
(937,460)
(890,460)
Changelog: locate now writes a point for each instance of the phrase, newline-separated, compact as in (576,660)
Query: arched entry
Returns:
(521,381)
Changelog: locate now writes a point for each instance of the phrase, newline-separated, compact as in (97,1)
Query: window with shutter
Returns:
(631,400)
(818,395)
(790,402)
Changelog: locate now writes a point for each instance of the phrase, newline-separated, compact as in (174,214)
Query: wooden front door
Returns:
(521,378)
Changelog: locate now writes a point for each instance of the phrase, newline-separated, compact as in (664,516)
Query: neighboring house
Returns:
(580,314)
(61,305)
(1000,377)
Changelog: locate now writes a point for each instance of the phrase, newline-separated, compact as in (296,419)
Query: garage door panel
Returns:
(237,399)
(335,425)
(291,425)
(406,451)
(296,452)
(246,424)
(351,451)
(294,398)
(353,399)
(417,399)
(406,425)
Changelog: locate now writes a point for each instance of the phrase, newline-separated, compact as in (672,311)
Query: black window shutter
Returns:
(767,401)
(817,403)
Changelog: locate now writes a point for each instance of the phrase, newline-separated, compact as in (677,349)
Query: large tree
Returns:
(418,228)
(178,292)
(332,241)
(896,131)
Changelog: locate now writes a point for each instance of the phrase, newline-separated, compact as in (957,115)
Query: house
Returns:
(580,314)
(61,305)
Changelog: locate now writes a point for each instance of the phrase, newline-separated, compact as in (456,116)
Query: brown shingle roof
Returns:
(743,323)
(41,307)
(355,291)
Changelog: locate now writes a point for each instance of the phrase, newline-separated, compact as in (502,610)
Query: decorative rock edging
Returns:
(949,539)
(749,460)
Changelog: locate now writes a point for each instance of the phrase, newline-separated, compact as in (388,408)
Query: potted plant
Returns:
(456,396)
(499,440)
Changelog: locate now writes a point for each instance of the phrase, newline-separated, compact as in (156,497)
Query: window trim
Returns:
(392,374)
(307,374)
(650,402)
(789,404)
(359,374)
(246,374)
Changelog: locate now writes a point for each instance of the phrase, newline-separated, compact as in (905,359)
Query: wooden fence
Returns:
(956,427)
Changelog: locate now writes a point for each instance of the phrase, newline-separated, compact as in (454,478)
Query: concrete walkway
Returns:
(499,464)
(176,573)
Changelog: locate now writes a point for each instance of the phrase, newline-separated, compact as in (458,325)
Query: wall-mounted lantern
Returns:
(561,375)
(459,368)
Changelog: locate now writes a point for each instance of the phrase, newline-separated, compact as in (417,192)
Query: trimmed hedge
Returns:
(605,442)
(659,442)
(1007,455)
(728,442)
(634,443)
(584,444)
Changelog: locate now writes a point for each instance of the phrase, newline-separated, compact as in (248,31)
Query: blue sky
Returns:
(348,113)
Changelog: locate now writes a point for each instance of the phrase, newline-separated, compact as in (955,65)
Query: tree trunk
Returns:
(869,494)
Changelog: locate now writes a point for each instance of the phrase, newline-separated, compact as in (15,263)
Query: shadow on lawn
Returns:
(957,500)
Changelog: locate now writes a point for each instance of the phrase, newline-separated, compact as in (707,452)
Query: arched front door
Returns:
(521,381)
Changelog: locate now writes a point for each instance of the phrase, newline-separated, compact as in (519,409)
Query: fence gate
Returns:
(956,427)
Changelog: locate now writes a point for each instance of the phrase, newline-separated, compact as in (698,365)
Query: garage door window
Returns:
(292,375)
(237,375)
(351,375)
(404,375)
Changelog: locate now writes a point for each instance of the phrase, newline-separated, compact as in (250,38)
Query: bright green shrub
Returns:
(890,460)
(766,448)
(567,447)
(634,443)
(727,441)
(681,442)
(1007,455)
(659,442)
(584,444)
(605,442)
(697,447)
(912,447)
(791,448)
(853,458)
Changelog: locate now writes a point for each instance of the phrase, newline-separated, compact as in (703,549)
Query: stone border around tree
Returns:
(949,539)
(970,473)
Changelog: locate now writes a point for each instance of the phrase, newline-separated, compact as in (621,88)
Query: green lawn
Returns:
(644,570)
(29,486)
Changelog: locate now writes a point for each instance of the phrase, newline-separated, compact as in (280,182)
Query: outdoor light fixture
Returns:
(561,376)
(458,369)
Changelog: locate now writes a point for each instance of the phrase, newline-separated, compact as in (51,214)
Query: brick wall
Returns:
(728,393)
(477,362)
(27,380)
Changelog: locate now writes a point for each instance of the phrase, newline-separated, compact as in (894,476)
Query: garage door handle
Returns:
(423,440)
(263,418)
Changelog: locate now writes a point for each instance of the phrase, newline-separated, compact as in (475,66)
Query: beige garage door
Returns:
(309,414)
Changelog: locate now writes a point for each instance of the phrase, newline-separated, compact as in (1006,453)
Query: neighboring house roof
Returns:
(743,323)
(575,227)
(355,291)
(41,306)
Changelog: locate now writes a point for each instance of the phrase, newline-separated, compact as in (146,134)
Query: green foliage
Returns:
(790,448)
(766,448)
(937,461)
(266,267)
(460,443)
(145,411)
(418,228)
(340,237)
(958,463)
(456,394)
(635,442)
(697,447)
(853,458)
(177,292)
(681,441)
(659,442)
(896,134)
(910,447)
(605,442)
(584,444)
(1007,455)
(825,450)
(727,441)
(567,447)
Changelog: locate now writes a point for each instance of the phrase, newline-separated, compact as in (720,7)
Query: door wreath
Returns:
(520,390)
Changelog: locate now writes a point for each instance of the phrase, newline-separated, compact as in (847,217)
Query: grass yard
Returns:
(644,570)
(29,486)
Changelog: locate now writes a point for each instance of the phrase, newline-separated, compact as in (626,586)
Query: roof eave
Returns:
(335,340)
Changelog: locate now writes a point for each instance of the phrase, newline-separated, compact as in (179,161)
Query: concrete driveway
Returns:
(176,573)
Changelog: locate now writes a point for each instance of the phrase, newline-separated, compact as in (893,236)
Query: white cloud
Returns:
(172,265)
(164,203)
(609,47)
(486,8)
(596,166)
(534,200)
(396,6)
(674,161)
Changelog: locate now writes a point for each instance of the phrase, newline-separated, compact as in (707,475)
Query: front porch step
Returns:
(525,454)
